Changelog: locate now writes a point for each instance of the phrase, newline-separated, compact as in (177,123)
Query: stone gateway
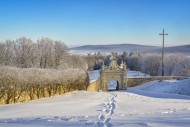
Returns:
(119,74)
(113,72)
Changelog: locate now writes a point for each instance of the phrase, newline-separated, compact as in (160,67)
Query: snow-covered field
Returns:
(153,104)
(167,86)
(134,107)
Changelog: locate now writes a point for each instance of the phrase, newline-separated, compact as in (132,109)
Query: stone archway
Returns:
(113,72)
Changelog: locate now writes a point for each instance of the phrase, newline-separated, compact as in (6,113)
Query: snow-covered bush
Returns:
(36,83)
(150,64)
(182,68)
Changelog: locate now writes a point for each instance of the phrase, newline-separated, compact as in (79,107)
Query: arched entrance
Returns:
(113,85)
(113,72)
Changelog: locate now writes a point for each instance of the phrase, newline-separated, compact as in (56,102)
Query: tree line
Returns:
(174,64)
(44,53)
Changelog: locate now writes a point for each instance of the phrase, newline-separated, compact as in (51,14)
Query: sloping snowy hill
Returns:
(170,86)
(142,106)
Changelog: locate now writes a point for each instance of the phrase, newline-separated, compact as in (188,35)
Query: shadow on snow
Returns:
(156,95)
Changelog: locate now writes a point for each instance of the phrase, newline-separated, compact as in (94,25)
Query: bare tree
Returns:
(182,68)
(170,62)
(24,49)
(150,64)
(60,51)
(7,53)
(45,49)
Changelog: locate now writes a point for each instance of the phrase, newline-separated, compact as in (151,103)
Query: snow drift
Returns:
(167,86)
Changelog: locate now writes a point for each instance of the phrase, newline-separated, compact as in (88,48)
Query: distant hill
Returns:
(185,49)
(120,48)
(113,48)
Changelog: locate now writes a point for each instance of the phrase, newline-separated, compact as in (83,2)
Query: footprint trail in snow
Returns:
(109,109)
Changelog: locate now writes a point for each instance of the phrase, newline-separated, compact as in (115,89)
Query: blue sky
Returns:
(81,22)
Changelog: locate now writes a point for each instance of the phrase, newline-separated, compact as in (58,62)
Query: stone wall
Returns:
(94,86)
(25,97)
(140,80)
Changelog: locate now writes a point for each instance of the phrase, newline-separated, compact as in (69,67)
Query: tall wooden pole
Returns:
(163,34)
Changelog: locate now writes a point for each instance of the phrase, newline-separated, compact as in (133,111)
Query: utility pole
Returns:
(163,34)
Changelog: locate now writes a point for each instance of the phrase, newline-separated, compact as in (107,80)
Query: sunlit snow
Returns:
(153,104)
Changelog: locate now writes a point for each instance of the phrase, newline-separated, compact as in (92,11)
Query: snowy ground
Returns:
(167,86)
(130,108)
(153,104)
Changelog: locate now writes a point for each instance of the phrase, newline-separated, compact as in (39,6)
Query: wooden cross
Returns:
(163,34)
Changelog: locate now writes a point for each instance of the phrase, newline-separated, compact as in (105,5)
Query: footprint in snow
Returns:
(111,98)
(107,103)
(65,119)
(107,120)
(100,124)
(89,123)
(111,112)
(38,118)
(49,120)
(83,120)
(108,106)
(105,110)
(101,117)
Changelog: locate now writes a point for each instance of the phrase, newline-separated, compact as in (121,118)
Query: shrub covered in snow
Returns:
(27,84)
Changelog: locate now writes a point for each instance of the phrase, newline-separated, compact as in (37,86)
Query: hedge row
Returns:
(19,85)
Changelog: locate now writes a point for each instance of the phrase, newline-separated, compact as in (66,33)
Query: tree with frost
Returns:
(170,62)
(24,49)
(182,68)
(133,62)
(150,64)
